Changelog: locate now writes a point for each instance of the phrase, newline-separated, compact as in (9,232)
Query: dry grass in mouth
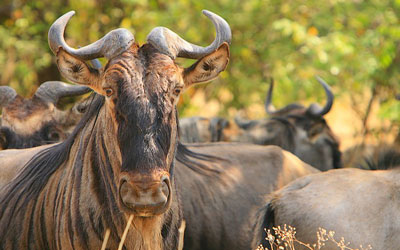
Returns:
(128,225)
(121,243)
(106,236)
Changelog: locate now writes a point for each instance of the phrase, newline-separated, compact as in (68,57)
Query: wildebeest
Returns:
(37,121)
(360,205)
(119,160)
(300,130)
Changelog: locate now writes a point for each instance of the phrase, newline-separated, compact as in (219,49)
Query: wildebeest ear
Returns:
(208,67)
(77,71)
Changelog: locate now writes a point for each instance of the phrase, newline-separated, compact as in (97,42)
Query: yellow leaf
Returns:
(312,31)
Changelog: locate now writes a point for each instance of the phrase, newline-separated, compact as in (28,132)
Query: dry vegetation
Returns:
(285,238)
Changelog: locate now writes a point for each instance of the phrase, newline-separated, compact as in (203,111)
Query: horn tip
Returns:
(207,12)
(219,21)
(322,82)
(319,78)
(70,13)
(212,15)
(67,15)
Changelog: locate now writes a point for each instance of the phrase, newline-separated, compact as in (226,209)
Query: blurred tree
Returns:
(354,45)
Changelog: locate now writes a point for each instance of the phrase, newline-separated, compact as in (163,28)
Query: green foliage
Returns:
(353,44)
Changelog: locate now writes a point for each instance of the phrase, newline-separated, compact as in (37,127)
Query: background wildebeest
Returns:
(360,205)
(119,159)
(300,130)
(201,129)
(37,121)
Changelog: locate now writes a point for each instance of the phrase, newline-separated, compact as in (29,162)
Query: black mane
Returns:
(190,159)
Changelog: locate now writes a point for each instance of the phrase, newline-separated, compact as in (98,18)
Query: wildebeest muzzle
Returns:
(145,195)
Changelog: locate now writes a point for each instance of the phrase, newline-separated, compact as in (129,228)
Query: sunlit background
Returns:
(353,44)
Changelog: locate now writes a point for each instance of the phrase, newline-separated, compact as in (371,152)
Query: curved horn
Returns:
(52,91)
(314,109)
(111,45)
(168,42)
(270,109)
(7,94)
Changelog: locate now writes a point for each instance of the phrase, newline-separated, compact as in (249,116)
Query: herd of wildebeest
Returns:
(68,176)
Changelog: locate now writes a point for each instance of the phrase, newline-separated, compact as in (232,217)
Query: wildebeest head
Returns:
(300,130)
(141,86)
(36,121)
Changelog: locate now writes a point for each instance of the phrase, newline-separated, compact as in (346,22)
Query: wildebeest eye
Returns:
(177,91)
(108,91)
(51,134)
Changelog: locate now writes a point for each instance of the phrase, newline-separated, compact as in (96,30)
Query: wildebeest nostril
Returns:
(127,193)
(165,185)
